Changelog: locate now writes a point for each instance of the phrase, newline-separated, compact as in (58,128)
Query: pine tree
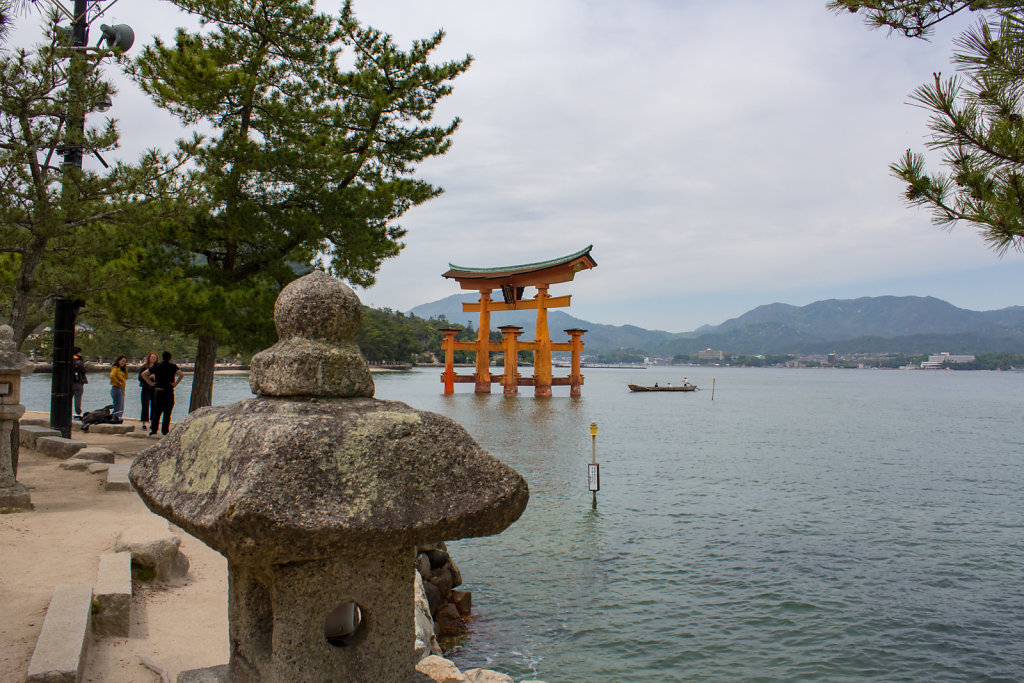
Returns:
(307,162)
(977,118)
(63,230)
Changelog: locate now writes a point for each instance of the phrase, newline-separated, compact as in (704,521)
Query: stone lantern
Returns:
(318,494)
(13,496)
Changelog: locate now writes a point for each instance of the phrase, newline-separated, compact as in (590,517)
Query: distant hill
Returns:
(907,324)
(598,337)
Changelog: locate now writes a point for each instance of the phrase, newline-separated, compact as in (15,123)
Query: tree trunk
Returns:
(23,285)
(202,378)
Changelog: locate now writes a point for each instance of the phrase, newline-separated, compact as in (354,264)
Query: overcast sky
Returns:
(718,155)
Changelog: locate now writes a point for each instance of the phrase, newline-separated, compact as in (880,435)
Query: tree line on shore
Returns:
(384,336)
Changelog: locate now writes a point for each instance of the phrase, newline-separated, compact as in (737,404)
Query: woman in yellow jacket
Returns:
(118,380)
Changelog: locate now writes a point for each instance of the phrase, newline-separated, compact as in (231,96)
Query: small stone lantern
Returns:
(318,494)
(13,496)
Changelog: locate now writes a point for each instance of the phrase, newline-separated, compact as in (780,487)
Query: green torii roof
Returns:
(570,264)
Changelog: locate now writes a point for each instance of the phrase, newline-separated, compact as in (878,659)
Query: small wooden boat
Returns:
(682,387)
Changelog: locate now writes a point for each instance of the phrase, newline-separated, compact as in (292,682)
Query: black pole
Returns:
(65,311)
(76,122)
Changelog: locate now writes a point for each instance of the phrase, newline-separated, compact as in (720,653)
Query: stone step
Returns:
(60,651)
(75,464)
(113,595)
(28,434)
(58,446)
(96,454)
(109,428)
(117,478)
(34,422)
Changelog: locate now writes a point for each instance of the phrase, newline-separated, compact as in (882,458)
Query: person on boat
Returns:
(655,385)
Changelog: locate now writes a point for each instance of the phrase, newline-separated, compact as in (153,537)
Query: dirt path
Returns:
(178,627)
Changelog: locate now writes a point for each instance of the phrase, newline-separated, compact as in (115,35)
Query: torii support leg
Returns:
(542,356)
(510,380)
(576,349)
(483,346)
(448,344)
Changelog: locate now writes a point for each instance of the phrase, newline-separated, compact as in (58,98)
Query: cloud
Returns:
(710,152)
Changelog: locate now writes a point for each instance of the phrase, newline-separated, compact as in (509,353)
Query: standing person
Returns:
(78,379)
(146,395)
(163,377)
(118,381)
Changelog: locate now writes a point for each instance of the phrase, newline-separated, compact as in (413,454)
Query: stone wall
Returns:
(441,576)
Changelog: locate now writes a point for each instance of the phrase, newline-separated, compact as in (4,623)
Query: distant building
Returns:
(938,360)
(708,354)
(831,360)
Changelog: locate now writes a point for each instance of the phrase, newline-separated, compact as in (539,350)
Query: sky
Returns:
(718,155)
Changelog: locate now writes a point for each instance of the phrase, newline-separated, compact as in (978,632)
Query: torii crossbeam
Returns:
(512,281)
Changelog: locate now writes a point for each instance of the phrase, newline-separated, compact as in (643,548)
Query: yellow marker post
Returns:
(712,388)
(593,470)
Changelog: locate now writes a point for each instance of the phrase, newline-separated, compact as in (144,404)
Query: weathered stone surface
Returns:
(58,446)
(59,656)
(111,428)
(14,498)
(36,422)
(117,478)
(211,674)
(423,565)
(440,670)
(96,454)
(98,467)
(463,601)
(27,434)
(426,639)
(438,558)
(486,676)
(75,464)
(154,548)
(317,318)
(442,578)
(456,573)
(112,612)
(447,621)
(433,596)
(276,480)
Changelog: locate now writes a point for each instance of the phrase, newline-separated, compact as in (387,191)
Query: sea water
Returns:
(832,525)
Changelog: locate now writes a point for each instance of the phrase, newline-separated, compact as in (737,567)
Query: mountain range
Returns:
(883,324)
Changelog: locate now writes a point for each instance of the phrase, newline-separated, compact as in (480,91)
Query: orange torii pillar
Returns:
(542,355)
(510,380)
(483,345)
(576,349)
(448,344)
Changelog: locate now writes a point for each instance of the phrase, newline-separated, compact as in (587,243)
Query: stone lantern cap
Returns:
(12,360)
(287,477)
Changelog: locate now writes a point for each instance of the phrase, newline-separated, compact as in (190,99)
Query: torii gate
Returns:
(513,281)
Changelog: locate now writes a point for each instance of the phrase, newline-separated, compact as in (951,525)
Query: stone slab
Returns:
(111,429)
(27,434)
(60,651)
(75,464)
(113,595)
(34,422)
(58,446)
(96,454)
(98,467)
(14,498)
(211,674)
(117,478)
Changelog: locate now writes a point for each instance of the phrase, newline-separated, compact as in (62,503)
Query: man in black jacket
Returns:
(78,379)
(163,377)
